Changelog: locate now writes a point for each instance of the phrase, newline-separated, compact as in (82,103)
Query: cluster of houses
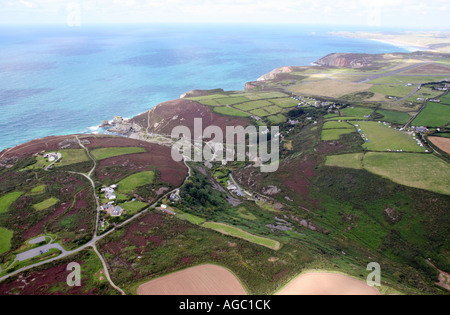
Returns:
(109,192)
(114,211)
(53,156)
(165,209)
(309,101)
(110,208)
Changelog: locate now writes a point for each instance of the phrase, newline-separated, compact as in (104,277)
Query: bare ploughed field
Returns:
(327,284)
(199,280)
(441,143)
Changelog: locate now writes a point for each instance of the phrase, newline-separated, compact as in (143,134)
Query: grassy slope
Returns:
(104,153)
(8,200)
(415,170)
(130,183)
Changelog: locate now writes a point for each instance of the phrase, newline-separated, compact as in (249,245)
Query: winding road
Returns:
(95,238)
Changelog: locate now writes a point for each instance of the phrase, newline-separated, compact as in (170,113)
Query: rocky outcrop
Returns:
(197,93)
(272,75)
(345,60)
(126,128)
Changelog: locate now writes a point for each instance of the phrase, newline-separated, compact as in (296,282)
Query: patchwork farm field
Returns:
(434,115)
(330,88)
(199,280)
(422,171)
(350,160)
(337,125)
(335,134)
(382,138)
(356,111)
(230,112)
(394,116)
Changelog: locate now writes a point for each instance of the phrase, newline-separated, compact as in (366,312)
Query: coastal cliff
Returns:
(354,61)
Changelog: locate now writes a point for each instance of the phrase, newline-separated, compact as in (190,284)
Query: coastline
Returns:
(403,45)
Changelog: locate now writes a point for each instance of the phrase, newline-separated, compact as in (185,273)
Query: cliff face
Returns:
(278,73)
(197,93)
(354,61)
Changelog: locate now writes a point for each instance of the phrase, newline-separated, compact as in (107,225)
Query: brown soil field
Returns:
(313,283)
(199,280)
(441,143)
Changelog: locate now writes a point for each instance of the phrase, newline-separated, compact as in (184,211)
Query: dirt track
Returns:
(199,280)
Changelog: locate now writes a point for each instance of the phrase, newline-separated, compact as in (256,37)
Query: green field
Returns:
(248,106)
(260,112)
(337,125)
(69,157)
(133,206)
(104,153)
(383,138)
(37,190)
(230,112)
(264,95)
(5,240)
(434,115)
(130,183)
(334,134)
(285,102)
(231,100)
(189,217)
(406,79)
(236,232)
(344,118)
(72,156)
(352,160)
(399,90)
(277,119)
(50,202)
(356,111)
(8,200)
(423,171)
(394,117)
(273,110)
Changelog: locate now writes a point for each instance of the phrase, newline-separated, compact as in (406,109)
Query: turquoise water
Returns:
(56,81)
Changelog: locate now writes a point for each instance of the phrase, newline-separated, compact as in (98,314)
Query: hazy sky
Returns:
(386,13)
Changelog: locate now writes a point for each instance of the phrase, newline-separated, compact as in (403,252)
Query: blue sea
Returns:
(63,80)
